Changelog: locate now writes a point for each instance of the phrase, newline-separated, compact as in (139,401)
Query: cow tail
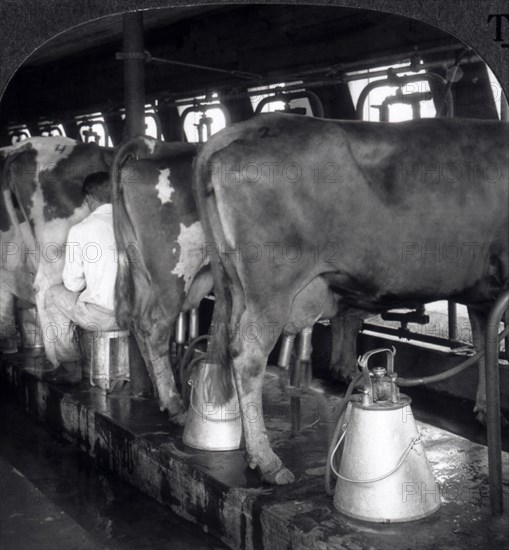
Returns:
(125,236)
(214,236)
(17,213)
(8,190)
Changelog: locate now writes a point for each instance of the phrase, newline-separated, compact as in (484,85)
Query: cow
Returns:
(16,280)
(41,187)
(308,218)
(162,268)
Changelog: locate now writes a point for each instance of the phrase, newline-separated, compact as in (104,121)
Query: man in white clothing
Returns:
(86,297)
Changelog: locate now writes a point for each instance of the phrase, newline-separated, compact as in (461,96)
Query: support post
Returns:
(452,320)
(134,74)
(134,94)
(493,403)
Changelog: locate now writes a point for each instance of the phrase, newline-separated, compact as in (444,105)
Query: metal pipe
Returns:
(134,73)
(394,80)
(180,329)
(314,100)
(493,403)
(194,324)
(274,79)
(506,339)
(203,107)
(389,59)
(452,320)
(238,74)
(226,90)
(305,344)
(450,372)
(285,353)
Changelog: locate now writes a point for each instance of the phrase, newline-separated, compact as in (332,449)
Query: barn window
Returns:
(92,128)
(18,133)
(202,117)
(277,98)
(391,102)
(51,129)
(152,122)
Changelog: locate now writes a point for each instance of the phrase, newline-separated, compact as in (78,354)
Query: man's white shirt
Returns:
(91,258)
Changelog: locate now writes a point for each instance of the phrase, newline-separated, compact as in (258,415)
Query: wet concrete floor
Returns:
(133,438)
(53,497)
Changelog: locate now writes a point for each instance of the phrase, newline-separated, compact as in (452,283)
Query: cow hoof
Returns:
(283,476)
(176,410)
(179,419)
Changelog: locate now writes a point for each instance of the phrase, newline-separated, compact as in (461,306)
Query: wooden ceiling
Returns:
(104,31)
(77,70)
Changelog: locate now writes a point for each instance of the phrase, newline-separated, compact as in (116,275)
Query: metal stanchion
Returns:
(493,403)
(452,320)
(134,73)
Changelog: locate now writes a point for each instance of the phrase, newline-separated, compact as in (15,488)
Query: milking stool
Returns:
(29,327)
(105,357)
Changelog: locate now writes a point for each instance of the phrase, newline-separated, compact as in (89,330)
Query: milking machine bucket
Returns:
(213,424)
(384,474)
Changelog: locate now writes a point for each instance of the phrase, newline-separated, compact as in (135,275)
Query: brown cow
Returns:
(311,217)
(163,269)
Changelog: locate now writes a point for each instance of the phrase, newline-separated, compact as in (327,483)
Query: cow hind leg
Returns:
(478,322)
(154,347)
(51,332)
(255,336)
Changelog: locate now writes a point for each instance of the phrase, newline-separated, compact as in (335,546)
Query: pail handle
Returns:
(414,441)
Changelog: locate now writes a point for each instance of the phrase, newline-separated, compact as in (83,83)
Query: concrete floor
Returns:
(218,492)
(52,497)
(30,521)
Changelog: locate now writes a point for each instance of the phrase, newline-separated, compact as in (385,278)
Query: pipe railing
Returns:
(493,403)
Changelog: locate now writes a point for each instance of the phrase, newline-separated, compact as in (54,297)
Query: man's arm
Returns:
(73,275)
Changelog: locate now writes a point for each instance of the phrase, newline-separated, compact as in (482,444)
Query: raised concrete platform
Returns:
(218,492)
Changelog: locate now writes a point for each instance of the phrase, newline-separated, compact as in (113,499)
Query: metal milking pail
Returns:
(212,424)
(30,328)
(384,474)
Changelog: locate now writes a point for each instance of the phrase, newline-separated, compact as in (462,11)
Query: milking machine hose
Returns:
(407,382)
(339,426)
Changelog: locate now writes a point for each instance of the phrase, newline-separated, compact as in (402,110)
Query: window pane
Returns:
(19,134)
(196,121)
(53,130)
(151,127)
(92,128)
(397,111)
(277,105)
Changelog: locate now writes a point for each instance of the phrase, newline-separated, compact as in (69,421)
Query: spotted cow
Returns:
(162,269)
(312,217)
(16,277)
(41,183)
